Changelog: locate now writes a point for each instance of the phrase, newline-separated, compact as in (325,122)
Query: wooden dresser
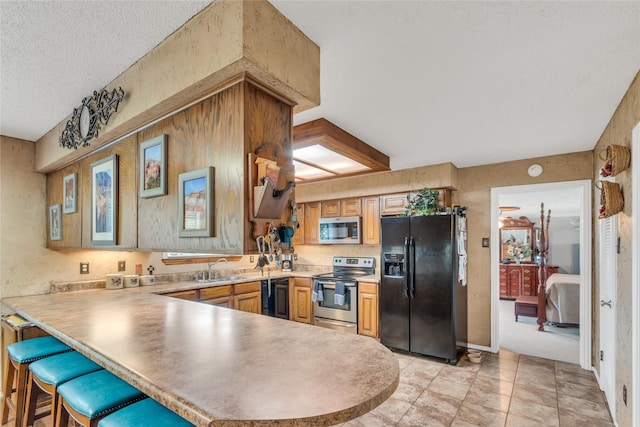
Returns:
(520,279)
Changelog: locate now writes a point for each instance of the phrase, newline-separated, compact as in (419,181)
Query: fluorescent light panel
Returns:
(305,171)
(322,156)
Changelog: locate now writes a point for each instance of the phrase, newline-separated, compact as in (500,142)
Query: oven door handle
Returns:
(332,285)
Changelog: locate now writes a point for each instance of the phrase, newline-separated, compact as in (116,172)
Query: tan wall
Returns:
(474,191)
(618,132)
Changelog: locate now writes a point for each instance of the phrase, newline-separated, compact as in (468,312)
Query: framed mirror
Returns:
(517,242)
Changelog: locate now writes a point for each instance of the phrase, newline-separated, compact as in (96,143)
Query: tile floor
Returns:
(505,389)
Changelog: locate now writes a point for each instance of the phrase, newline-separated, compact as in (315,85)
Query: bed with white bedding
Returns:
(563,298)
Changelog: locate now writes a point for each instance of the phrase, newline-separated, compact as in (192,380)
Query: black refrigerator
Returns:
(423,306)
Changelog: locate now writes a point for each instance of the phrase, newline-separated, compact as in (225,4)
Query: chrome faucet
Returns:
(211,264)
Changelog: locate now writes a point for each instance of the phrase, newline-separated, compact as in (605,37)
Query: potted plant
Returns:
(423,203)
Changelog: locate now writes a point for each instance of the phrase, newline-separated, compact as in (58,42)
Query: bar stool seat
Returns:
(93,396)
(146,412)
(21,354)
(49,373)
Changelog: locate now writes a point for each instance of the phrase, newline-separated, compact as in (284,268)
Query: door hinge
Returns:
(601,356)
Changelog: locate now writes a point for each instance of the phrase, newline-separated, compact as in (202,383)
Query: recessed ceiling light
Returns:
(534,170)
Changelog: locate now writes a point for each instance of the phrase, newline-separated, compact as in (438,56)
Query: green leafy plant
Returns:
(423,203)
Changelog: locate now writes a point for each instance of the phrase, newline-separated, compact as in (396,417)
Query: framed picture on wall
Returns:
(104,200)
(70,194)
(153,167)
(195,200)
(55,222)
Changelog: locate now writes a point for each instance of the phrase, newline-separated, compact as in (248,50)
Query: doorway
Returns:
(582,189)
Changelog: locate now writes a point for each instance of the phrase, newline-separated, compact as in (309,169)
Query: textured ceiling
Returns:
(424,82)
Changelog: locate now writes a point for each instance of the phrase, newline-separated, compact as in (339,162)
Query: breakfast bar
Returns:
(216,366)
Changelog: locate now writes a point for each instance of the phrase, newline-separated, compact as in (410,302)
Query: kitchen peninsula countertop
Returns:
(217,366)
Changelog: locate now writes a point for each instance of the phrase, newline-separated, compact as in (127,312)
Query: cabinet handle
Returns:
(603,303)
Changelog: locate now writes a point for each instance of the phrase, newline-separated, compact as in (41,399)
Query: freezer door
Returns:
(432,316)
(394,302)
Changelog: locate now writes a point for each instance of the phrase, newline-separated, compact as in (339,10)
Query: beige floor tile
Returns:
(505,354)
(421,416)
(370,419)
(569,419)
(534,360)
(439,402)
(458,375)
(470,366)
(471,414)
(570,367)
(496,401)
(536,369)
(497,373)
(500,363)
(591,393)
(392,409)
(545,382)
(491,385)
(516,421)
(409,392)
(449,388)
(584,408)
(587,379)
(531,393)
(534,411)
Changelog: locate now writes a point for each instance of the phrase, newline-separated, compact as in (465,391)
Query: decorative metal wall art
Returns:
(93,113)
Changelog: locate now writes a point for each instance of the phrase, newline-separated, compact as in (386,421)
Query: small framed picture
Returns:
(196,205)
(70,196)
(104,200)
(153,167)
(55,222)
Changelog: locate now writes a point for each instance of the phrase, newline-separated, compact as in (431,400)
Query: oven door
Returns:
(328,308)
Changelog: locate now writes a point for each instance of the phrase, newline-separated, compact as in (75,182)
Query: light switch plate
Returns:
(485,242)
(122,265)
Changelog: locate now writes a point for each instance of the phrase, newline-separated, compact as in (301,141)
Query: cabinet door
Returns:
(503,281)
(302,310)
(368,309)
(190,295)
(282,300)
(298,236)
(311,222)
(371,221)
(330,208)
(249,302)
(393,204)
(226,302)
(514,281)
(351,207)
(215,292)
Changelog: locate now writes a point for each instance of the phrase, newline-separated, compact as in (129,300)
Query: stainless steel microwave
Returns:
(341,231)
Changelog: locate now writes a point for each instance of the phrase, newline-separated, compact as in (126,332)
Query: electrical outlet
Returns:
(252,258)
(624,394)
(122,265)
(295,257)
(84,268)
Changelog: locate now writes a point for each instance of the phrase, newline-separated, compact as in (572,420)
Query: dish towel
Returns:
(338,296)
(462,250)
(318,292)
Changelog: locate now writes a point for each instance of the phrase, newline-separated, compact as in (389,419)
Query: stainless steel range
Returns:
(335,294)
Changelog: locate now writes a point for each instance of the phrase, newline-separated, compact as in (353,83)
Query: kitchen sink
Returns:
(222,279)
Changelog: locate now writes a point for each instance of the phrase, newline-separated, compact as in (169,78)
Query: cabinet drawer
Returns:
(191,295)
(215,292)
(243,288)
(369,288)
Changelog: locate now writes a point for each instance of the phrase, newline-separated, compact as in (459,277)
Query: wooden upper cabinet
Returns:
(126,192)
(330,208)
(71,222)
(393,204)
(351,207)
(371,221)
(298,236)
(311,222)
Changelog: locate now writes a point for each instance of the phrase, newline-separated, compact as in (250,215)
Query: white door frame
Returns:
(635,274)
(584,186)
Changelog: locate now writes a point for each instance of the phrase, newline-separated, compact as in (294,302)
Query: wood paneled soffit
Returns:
(227,38)
(324,133)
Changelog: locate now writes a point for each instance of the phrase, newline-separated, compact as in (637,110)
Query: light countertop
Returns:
(217,366)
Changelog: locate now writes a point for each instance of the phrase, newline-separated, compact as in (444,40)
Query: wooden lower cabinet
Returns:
(368,320)
(248,297)
(190,295)
(226,302)
(218,295)
(301,306)
(520,279)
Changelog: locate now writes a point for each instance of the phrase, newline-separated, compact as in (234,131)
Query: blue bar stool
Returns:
(92,396)
(146,412)
(21,354)
(48,374)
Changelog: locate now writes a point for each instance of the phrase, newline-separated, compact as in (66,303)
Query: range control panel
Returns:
(367,262)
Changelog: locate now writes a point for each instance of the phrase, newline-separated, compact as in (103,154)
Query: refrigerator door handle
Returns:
(405,287)
(412,261)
